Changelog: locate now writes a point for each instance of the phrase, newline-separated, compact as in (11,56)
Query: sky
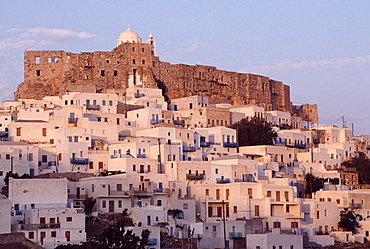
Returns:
(321,49)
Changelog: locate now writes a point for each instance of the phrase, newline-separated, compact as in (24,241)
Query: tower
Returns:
(152,43)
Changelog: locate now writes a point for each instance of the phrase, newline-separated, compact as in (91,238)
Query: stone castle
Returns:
(133,62)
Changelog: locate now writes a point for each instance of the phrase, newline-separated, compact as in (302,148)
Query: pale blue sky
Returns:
(319,48)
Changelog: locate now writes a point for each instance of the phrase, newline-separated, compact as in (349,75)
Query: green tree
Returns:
(313,183)
(89,204)
(362,165)
(254,132)
(349,220)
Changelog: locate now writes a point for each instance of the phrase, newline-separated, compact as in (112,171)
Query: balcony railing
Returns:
(230,144)
(141,156)
(355,205)
(140,192)
(72,120)
(300,146)
(156,121)
(39,226)
(205,144)
(52,163)
(92,107)
(235,235)
(194,177)
(223,180)
(123,193)
(79,160)
(189,148)
(78,197)
(178,122)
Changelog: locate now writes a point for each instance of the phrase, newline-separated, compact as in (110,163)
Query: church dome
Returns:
(128,36)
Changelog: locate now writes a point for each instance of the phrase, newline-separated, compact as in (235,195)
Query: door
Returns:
(111,206)
(42,236)
(68,235)
(219,211)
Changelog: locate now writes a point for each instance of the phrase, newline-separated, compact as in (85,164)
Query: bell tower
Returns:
(152,43)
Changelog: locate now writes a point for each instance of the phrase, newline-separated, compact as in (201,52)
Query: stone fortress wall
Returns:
(135,63)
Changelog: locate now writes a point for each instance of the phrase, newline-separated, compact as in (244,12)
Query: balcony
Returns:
(78,197)
(230,144)
(79,160)
(151,242)
(38,226)
(140,192)
(300,146)
(156,121)
(205,144)
(72,120)
(117,193)
(194,177)
(52,163)
(141,156)
(93,107)
(355,205)
(223,180)
(179,122)
(235,235)
(188,148)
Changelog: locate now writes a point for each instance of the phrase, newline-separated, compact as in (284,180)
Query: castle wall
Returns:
(133,64)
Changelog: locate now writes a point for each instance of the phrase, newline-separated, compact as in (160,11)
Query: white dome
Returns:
(128,36)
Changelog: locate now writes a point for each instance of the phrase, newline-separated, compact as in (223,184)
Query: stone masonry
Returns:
(55,72)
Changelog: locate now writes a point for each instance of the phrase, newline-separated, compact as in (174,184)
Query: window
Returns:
(250,193)
(134,167)
(38,72)
(31,235)
(110,102)
(143,62)
(214,228)
(227,194)
(104,204)
(277,195)
(103,102)
(68,219)
(19,133)
(317,214)
(268,194)
(119,204)
(133,61)
(207,192)
(256,210)
(235,209)
(119,187)
(53,234)
(102,73)
(286,195)
(100,165)
(185,206)
(210,212)
(44,158)
(7,156)
(37,60)
(44,132)
(218,194)
(91,165)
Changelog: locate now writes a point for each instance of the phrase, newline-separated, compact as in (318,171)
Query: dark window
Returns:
(44,158)
(102,73)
